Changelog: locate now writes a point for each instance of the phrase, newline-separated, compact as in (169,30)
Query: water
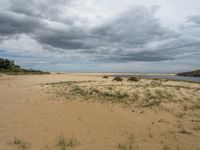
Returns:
(193,79)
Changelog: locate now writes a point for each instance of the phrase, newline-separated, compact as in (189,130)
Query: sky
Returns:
(160,36)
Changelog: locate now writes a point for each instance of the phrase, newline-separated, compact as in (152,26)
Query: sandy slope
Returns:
(33,117)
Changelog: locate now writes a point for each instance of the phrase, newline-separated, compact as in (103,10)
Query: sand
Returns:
(38,115)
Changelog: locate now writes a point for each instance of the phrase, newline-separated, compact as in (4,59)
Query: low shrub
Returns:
(105,77)
(118,79)
(133,79)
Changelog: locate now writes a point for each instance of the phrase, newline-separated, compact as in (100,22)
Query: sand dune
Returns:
(87,112)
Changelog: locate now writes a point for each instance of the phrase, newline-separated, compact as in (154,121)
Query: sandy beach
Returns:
(89,112)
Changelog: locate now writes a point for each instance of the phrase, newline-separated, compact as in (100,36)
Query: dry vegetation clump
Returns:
(118,79)
(65,144)
(129,145)
(20,144)
(105,77)
(109,96)
(133,79)
(62,143)
(155,97)
(176,98)
(92,93)
(196,128)
(196,105)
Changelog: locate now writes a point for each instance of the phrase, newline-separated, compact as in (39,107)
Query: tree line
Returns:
(7,64)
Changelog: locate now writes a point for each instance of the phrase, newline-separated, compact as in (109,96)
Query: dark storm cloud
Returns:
(66,39)
(12,23)
(64,43)
(124,38)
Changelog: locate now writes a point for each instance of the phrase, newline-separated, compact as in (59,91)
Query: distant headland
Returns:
(195,73)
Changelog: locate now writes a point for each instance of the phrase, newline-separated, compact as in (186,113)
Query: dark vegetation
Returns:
(118,79)
(133,79)
(8,67)
(105,77)
(195,73)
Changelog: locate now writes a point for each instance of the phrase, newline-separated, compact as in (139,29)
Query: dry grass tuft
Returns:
(20,144)
(65,144)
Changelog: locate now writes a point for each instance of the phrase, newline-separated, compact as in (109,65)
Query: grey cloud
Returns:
(123,38)
(12,23)
(195,19)
(64,43)
(48,9)
(177,49)
(145,56)
(135,27)
(33,17)
(74,38)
